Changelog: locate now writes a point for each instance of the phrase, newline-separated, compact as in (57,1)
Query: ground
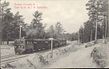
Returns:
(72,56)
(6,50)
(80,58)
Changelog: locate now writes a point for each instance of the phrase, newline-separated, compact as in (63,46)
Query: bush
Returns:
(99,56)
(43,60)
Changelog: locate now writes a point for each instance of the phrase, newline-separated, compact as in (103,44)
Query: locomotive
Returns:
(23,46)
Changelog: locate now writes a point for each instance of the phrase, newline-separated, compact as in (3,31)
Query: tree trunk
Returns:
(91,35)
(0,38)
(96,31)
(96,28)
(78,38)
(0,24)
(108,18)
(7,39)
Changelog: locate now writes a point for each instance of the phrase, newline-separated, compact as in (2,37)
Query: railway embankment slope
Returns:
(71,56)
(96,56)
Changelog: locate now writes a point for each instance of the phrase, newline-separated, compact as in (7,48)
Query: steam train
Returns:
(23,46)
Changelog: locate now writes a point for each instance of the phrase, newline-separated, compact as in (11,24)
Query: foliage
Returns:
(96,27)
(99,55)
(59,30)
(10,23)
(36,29)
(56,31)
(51,32)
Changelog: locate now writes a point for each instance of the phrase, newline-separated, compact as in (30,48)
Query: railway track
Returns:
(9,59)
(7,56)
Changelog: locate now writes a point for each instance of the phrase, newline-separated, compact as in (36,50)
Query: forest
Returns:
(97,27)
(13,26)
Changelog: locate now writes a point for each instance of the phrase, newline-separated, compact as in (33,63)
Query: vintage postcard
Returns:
(38,34)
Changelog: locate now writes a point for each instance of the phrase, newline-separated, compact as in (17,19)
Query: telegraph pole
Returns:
(91,35)
(108,17)
(1,20)
(78,37)
(51,39)
(105,37)
(20,32)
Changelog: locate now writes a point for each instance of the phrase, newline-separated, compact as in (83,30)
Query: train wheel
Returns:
(36,49)
(31,50)
(18,53)
(39,49)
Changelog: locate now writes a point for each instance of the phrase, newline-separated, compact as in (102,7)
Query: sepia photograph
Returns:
(40,34)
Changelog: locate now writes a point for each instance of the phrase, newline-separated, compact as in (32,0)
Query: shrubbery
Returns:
(99,55)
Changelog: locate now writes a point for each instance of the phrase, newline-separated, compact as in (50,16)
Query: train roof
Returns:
(38,39)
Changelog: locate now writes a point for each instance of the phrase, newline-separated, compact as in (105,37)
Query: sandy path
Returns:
(80,58)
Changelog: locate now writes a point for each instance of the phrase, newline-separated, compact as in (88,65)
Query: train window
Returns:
(27,42)
(20,46)
(23,47)
(21,41)
(30,42)
(35,42)
(46,41)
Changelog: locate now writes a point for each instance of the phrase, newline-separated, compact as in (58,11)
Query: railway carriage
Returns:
(23,46)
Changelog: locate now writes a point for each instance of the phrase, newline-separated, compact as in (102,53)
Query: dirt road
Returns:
(80,58)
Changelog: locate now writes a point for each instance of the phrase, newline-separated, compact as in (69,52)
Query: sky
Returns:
(70,13)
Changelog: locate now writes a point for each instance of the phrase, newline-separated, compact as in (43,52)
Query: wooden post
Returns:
(91,35)
(78,38)
(1,17)
(20,32)
(105,29)
(108,18)
(51,48)
(51,39)
(96,31)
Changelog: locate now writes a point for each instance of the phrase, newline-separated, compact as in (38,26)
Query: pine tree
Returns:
(59,30)
(0,23)
(36,28)
(51,32)
(98,16)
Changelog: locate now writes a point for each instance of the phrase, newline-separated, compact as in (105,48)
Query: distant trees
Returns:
(51,32)
(95,28)
(97,25)
(56,31)
(81,34)
(15,25)
(7,18)
(36,28)
(10,23)
(59,30)
(71,36)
